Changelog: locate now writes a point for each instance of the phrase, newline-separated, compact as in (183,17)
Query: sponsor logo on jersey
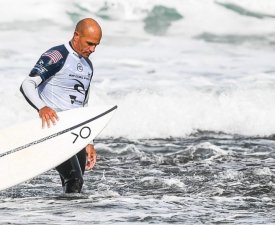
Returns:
(39,67)
(81,77)
(79,87)
(74,100)
(79,67)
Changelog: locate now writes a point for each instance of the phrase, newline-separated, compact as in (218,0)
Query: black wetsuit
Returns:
(71,172)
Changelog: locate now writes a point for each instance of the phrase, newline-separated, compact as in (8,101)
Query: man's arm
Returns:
(29,90)
(48,65)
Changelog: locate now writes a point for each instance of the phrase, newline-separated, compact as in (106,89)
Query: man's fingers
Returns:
(43,122)
(90,165)
(48,116)
(55,116)
(48,121)
(91,157)
(53,119)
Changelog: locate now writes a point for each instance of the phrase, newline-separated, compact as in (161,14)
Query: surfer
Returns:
(59,81)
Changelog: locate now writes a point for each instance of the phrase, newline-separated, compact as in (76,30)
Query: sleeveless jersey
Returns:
(66,78)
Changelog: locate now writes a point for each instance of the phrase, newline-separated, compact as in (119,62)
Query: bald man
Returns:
(59,81)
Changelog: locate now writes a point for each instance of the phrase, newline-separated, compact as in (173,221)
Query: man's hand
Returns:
(91,157)
(48,116)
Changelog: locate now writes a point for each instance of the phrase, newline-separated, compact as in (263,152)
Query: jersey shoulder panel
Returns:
(50,62)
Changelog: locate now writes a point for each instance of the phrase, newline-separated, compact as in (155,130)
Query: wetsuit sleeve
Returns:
(29,90)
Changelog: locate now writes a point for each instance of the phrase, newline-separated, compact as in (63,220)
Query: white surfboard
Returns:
(27,150)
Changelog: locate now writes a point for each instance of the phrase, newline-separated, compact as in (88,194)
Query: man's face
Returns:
(86,43)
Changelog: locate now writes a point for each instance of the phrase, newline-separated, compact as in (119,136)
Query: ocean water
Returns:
(192,141)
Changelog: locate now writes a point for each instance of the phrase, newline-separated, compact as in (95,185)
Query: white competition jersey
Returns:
(65,77)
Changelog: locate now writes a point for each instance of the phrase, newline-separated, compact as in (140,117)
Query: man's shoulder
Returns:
(59,51)
(55,54)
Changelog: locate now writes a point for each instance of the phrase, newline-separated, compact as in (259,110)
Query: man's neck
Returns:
(72,46)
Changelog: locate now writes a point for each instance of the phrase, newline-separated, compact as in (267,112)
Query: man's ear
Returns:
(76,36)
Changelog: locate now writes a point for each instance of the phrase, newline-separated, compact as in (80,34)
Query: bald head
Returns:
(87,36)
(87,26)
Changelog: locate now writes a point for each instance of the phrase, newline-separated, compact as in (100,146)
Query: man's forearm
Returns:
(29,90)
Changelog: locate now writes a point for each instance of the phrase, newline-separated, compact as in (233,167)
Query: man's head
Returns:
(86,37)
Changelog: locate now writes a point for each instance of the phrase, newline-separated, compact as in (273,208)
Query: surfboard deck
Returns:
(27,150)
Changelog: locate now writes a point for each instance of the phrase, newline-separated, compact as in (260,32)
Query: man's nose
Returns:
(92,48)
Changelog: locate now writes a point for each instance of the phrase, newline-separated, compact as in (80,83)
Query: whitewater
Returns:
(192,141)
